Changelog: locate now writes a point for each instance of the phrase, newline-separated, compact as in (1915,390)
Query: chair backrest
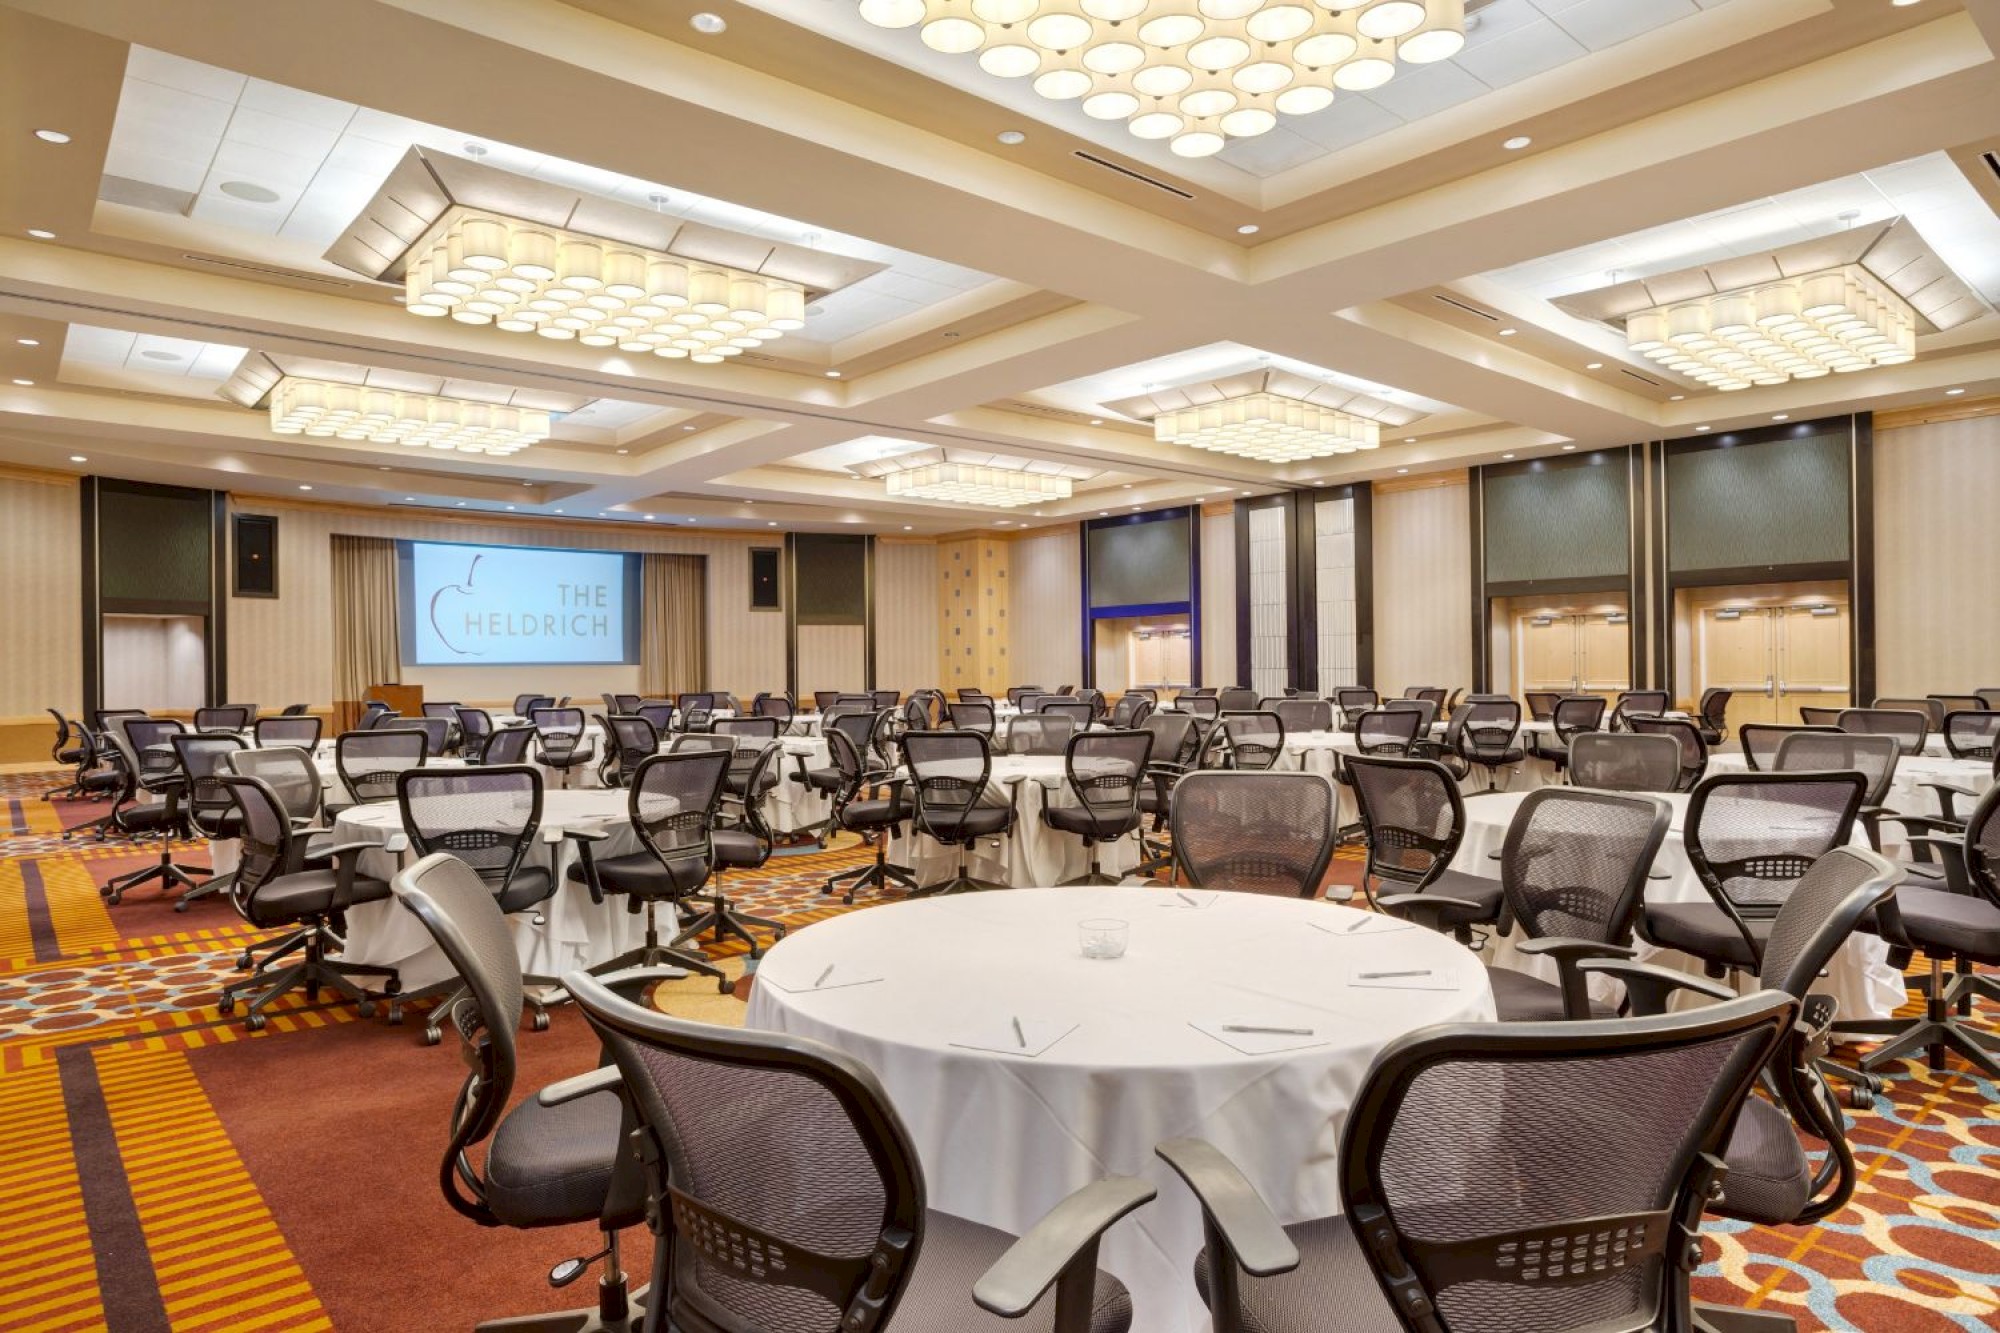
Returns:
(1014,692)
(749,728)
(973,694)
(1053,705)
(825,699)
(369,762)
(633,741)
(772,705)
(204,761)
(971,715)
(1615,761)
(1425,710)
(688,742)
(1488,728)
(1353,701)
(673,803)
(1256,740)
(1041,733)
(1254,832)
(1637,703)
(446,710)
(152,754)
(1201,705)
(1106,771)
(1820,717)
(222,717)
(1760,742)
(1751,837)
(1237,699)
(1412,817)
(1575,862)
(1304,714)
(661,715)
(1821,911)
(1490,1195)
(1435,695)
(859,728)
(696,701)
(474,726)
(267,850)
(1542,704)
(459,910)
(1130,703)
(1871,755)
(303,732)
(289,772)
(628,704)
(295,710)
(508,745)
(487,817)
(1932,709)
(1982,845)
(1971,734)
(1714,706)
(885,698)
(524,702)
(1910,726)
(436,730)
(1988,695)
(1685,734)
(1575,714)
(1388,731)
(1953,703)
(1175,739)
(949,771)
(378,717)
(824,1174)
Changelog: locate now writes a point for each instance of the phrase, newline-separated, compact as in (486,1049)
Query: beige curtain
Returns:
(674,630)
(365,650)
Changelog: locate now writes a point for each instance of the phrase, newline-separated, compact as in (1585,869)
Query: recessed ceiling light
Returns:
(409,499)
(1409,439)
(649,518)
(1128,485)
(29,342)
(558,511)
(1781,416)
(687,427)
(40,234)
(1104,513)
(510,509)
(770,525)
(1568,447)
(461,504)
(1508,333)
(690,520)
(1704,428)
(385,468)
(1595,365)
(304,487)
(624,451)
(1506,455)
(78,458)
(1401,470)
(833,374)
(907,527)
(1675,398)
(1097,421)
(1900,4)
(1953,393)
(51,136)
(708,23)
(1245,492)
(1517,143)
(250,192)
(1248,229)
(1011,137)
(26,384)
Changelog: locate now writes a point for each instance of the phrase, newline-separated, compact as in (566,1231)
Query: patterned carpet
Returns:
(169,1171)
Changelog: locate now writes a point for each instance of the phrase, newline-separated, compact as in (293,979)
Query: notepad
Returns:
(1264,1043)
(801,982)
(1032,1038)
(1187,900)
(1374,923)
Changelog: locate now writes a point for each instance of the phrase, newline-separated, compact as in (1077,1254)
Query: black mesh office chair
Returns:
(1971,734)
(1910,726)
(1432,694)
(949,776)
(1425,710)
(1095,699)
(437,733)
(508,745)
(1751,837)
(445,711)
(1254,832)
(1819,717)
(1477,1197)
(1445,747)
(1711,715)
(1133,707)
(562,740)
(224,717)
(741,839)
(1247,742)
(1352,701)
(204,760)
(1177,740)
(626,703)
(1932,709)
(114,778)
(971,715)
(1686,735)
(697,710)
(1388,731)
(1300,715)
(1237,699)
(1489,736)
(1014,693)
(632,741)
(559,1158)
(859,808)
(1542,704)
(1624,761)
(475,729)
(966,694)
(659,713)
(885,698)
(1637,703)
(369,762)
(1953,703)
(1040,733)
(294,779)
(1079,713)
(1955,921)
(1105,772)
(825,1176)
(1871,755)
(524,702)
(1573,715)
(277,887)
(69,751)
(303,732)
(749,738)
(672,805)
(1204,706)
(1760,742)
(488,817)
(1412,822)
(98,776)
(375,719)
(145,746)
(1573,869)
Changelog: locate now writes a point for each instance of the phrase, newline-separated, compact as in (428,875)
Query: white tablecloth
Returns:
(1032,853)
(576,932)
(1907,793)
(1860,977)
(1004,1138)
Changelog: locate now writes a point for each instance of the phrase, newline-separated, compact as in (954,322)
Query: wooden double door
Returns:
(1775,658)
(1581,653)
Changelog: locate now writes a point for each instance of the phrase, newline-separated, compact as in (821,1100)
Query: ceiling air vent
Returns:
(1992,161)
(267,270)
(1469,309)
(1130,174)
(1643,379)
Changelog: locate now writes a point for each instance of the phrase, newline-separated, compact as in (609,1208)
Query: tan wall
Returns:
(1218,598)
(1937,546)
(41,577)
(832,657)
(1423,588)
(1045,609)
(906,615)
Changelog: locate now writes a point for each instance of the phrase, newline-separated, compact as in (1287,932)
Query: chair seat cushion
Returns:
(551,1165)
(643,876)
(1333,1275)
(955,1254)
(307,893)
(1704,930)
(530,885)
(1769,1177)
(1473,888)
(1955,922)
(981,821)
(1520,998)
(875,813)
(819,779)
(738,847)
(1077,819)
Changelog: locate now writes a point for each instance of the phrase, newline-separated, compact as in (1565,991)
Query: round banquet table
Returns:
(1030,853)
(1907,793)
(1004,1137)
(1859,977)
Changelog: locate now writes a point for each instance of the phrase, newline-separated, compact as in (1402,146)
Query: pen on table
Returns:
(824,975)
(1020,1037)
(1383,976)
(1274,1032)
(1356,926)
(1184,898)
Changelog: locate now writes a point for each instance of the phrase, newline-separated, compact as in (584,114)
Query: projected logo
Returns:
(455,591)
(526,606)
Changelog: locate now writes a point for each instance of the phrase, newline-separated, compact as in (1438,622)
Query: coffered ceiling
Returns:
(1034,299)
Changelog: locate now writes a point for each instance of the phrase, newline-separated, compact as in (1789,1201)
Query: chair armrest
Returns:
(1232,1208)
(1426,909)
(629,982)
(1650,987)
(396,842)
(1058,1246)
(1953,859)
(1568,953)
(602,1079)
(586,834)
(1955,788)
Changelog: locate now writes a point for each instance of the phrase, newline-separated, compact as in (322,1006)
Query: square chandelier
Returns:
(321,409)
(1196,73)
(966,483)
(1830,322)
(1269,427)
(522,277)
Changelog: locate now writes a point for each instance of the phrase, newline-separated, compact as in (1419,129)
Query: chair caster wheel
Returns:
(395,1014)
(393,986)
(242,962)
(1860,1099)
(756,952)
(432,1036)
(540,1021)
(254,1023)
(366,1009)
(725,986)
(181,906)
(226,1005)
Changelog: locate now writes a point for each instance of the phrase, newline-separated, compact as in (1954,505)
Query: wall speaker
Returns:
(256,546)
(765,562)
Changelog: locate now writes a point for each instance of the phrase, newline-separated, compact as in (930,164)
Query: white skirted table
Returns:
(1116,1056)
(1032,853)
(1907,793)
(1859,977)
